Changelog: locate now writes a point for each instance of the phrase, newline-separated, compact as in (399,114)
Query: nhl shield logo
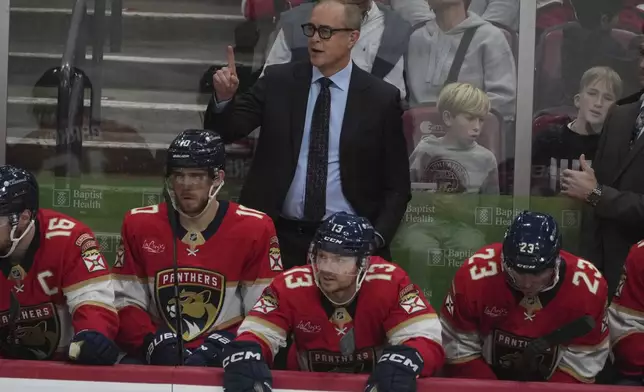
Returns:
(36,333)
(201,296)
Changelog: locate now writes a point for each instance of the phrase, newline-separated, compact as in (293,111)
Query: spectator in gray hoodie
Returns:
(488,63)
(504,12)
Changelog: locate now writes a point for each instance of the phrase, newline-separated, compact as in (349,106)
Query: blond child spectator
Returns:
(456,163)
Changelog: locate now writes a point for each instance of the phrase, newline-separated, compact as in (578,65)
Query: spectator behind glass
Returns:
(488,63)
(384,37)
(458,169)
(503,12)
(456,163)
(559,147)
(593,45)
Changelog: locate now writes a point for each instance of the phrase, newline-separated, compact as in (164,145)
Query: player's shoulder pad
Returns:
(635,259)
(296,278)
(250,218)
(487,258)
(60,227)
(139,215)
(583,280)
(389,271)
(57,226)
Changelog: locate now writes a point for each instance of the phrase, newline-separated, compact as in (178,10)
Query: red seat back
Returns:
(426,120)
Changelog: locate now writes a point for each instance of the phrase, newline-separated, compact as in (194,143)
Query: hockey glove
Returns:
(245,369)
(93,348)
(396,370)
(210,353)
(162,349)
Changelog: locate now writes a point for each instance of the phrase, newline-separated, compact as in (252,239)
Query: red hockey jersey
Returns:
(626,315)
(487,325)
(62,286)
(222,272)
(389,310)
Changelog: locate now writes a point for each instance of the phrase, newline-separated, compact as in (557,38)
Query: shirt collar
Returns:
(340,79)
(373,13)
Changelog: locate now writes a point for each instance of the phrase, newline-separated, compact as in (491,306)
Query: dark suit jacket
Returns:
(374,167)
(617,222)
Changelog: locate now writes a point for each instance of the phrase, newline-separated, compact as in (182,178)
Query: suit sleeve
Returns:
(265,262)
(413,322)
(397,185)
(88,287)
(132,295)
(584,357)
(269,322)
(242,115)
(626,207)
(626,315)
(461,339)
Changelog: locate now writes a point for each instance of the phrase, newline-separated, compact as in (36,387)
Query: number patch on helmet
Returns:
(525,247)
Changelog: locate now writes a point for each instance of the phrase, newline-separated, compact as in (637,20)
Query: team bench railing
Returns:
(19,376)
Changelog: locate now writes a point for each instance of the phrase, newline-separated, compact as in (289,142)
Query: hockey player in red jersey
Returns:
(56,296)
(508,295)
(349,312)
(626,320)
(226,255)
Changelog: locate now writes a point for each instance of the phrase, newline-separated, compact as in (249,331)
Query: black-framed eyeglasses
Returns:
(325,32)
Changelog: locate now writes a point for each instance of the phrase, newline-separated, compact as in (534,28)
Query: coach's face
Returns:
(331,52)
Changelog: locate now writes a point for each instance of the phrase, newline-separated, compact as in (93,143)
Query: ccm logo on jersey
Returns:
(241,356)
(410,300)
(400,359)
(94,260)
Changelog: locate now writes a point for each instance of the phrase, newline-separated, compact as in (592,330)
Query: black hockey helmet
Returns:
(18,192)
(198,149)
(532,243)
(351,238)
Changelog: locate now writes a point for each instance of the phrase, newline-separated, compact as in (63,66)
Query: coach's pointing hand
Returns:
(225,80)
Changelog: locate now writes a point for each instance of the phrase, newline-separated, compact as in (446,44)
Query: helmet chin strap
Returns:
(15,241)
(212,193)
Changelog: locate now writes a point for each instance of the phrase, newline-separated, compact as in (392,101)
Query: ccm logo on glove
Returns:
(401,359)
(242,356)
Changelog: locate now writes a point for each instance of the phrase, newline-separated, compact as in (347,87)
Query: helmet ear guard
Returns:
(18,193)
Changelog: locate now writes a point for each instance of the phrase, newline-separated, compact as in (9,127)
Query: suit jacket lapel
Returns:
(302,73)
(353,109)
(626,153)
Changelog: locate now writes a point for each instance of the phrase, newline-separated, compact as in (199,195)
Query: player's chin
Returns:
(191,207)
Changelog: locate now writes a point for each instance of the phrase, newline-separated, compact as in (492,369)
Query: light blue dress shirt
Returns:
(293,207)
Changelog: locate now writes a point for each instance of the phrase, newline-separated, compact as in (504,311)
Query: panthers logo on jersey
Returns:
(35,334)
(201,296)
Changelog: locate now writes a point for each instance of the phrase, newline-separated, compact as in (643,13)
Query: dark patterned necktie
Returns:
(318,162)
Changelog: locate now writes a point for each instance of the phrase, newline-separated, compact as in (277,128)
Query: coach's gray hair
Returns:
(352,13)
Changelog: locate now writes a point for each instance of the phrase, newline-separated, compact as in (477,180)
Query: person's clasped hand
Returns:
(578,183)
(225,80)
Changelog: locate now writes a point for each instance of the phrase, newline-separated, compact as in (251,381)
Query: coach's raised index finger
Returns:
(231,60)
